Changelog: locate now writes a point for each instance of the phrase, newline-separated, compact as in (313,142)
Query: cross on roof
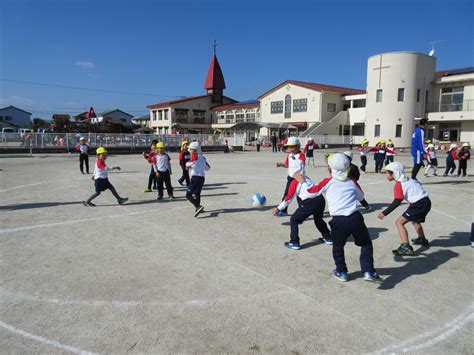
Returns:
(380,71)
(215,46)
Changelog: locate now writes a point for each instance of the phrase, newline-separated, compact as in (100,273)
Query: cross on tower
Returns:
(380,71)
(215,46)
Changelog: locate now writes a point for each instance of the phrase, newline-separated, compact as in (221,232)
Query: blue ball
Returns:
(258,200)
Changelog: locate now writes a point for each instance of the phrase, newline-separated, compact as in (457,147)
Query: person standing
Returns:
(418,146)
(258,143)
(463,156)
(83,149)
(274,143)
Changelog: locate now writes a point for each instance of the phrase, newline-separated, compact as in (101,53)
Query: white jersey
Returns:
(197,166)
(84,148)
(295,163)
(161,162)
(101,171)
(341,196)
(409,190)
(300,190)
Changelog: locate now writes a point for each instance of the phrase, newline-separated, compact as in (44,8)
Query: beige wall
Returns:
(408,70)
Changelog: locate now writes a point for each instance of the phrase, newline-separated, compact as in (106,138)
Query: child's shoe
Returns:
(326,239)
(420,241)
(198,211)
(171,197)
(403,249)
(159,198)
(122,200)
(372,277)
(88,204)
(293,246)
(282,214)
(181,183)
(148,190)
(341,276)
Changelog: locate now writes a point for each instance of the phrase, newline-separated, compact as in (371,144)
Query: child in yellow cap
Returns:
(101,180)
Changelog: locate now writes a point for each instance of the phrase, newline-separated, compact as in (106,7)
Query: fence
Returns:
(68,141)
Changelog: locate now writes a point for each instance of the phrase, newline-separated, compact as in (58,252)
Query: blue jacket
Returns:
(418,141)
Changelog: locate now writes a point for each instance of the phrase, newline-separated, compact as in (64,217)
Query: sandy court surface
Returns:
(147,277)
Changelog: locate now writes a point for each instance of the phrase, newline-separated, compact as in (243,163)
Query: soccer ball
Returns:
(258,200)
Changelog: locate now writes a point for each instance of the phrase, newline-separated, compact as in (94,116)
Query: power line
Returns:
(84,89)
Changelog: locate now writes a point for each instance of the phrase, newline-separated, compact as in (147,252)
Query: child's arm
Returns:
(289,197)
(398,199)
(284,164)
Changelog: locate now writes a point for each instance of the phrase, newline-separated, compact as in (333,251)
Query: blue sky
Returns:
(163,48)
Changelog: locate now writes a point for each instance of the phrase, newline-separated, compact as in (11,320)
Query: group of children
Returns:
(384,154)
(192,162)
(463,155)
(344,197)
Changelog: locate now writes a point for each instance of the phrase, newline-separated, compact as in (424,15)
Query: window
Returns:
(153,115)
(426,97)
(165,112)
(378,97)
(288,106)
(276,107)
(401,94)
(300,105)
(452,99)
(181,115)
(250,116)
(160,115)
(377,130)
(199,116)
(229,117)
(239,116)
(418,92)
(331,107)
(398,130)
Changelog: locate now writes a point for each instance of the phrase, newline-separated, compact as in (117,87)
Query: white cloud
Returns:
(84,64)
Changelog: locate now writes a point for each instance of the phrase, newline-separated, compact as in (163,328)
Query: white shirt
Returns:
(161,162)
(84,148)
(409,190)
(295,163)
(300,190)
(198,166)
(101,171)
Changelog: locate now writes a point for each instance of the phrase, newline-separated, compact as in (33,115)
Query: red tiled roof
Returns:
(318,87)
(235,106)
(451,72)
(214,77)
(168,103)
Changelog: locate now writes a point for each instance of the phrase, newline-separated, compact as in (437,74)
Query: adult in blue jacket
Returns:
(418,146)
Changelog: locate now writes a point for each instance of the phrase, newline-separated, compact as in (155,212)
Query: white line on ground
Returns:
(54,343)
(439,334)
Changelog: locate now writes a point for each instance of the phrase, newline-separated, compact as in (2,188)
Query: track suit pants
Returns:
(164,178)
(341,228)
(311,206)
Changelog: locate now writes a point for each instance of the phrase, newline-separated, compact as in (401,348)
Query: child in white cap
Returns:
(197,166)
(420,205)
(342,195)
(309,151)
(83,149)
(463,156)
(451,157)
(295,163)
(431,159)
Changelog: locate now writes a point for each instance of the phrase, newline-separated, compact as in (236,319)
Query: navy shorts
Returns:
(102,185)
(195,185)
(418,210)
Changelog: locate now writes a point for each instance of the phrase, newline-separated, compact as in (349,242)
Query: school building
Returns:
(402,87)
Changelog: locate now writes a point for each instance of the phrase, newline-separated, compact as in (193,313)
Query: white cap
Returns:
(453,145)
(293,141)
(193,146)
(465,144)
(310,139)
(348,154)
(82,139)
(397,169)
(338,163)
(431,145)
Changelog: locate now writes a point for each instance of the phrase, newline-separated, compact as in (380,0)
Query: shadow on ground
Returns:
(27,206)
(216,213)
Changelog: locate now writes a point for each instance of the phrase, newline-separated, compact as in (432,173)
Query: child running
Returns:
(354,174)
(420,205)
(391,151)
(198,167)
(342,195)
(184,157)
(432,161)
(83,149)
(152,176)
(101,181)
(451,157)
(295,163)
(464,155)
(379,155)
(364,150)
(311,204)
(309,151)
(162,168)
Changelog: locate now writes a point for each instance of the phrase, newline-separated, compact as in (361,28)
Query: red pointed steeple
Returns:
(214,78)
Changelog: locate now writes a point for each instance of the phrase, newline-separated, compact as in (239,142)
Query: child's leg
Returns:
(339,235)
(427,169)
(453,167)
(298,217)
(402,231)
(93,196)
(159,184)
(418,229)
(288,182)
(86,160)
(81,163)
(362,239)
(167,180)
(318,210)
(363,160)
(186,177)
(114,192)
